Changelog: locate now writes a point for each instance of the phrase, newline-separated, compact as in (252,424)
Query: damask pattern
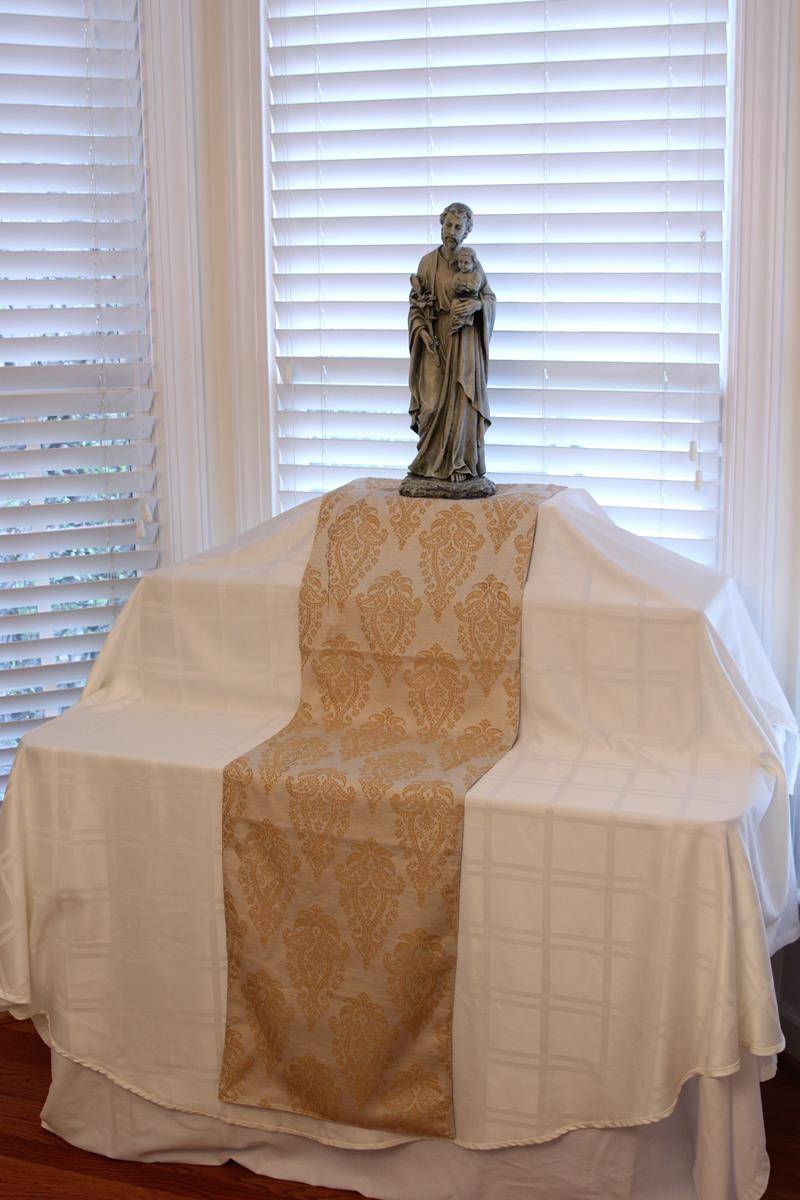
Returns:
(379,773)
(428,828)
(343,676)
(315,958)
(370,890)
(419,971)
(389,610)
(236,779)
(320,812)
(355,540)
(266,876)
(312,601)
(487,622)
(311,1088)
(342,833)
(503,518)
(436,692)
(362,1044)
(449,551)
(405,518)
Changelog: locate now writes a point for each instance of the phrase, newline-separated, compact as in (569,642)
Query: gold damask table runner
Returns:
(342,832)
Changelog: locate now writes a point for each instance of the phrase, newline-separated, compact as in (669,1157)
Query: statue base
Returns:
(420,487)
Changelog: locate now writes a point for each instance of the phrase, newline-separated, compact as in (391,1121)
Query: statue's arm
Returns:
(416,321)
(420,332)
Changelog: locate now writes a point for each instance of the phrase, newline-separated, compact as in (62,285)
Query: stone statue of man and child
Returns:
(450,322)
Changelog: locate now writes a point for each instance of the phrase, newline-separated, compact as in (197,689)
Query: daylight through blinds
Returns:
(76,454)
(589,139)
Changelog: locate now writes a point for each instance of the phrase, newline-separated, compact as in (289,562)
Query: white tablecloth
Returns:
(627,867)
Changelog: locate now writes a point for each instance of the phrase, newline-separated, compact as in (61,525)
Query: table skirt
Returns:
(710,1148)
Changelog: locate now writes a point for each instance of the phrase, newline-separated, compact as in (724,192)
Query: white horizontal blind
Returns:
(77,520)
(589,138)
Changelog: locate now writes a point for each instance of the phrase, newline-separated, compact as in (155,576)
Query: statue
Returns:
(450,322)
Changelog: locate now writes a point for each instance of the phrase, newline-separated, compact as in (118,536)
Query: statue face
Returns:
(465,260)
(454,230)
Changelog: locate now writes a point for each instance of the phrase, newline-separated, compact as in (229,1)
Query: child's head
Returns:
(466,259)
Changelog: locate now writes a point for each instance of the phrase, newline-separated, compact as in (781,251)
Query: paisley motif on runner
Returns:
(268,1015)
(362,1042)
(416,1103)
(503,518)
(320,811)
(343,676)
(428,827)
(311,1088)
(288,749)
(378,774)
(315,958)
(379,731)
(266,876)
(355,540)
(236,778)
(342,832)
(419,968)
(436,691)
(486,629)
(312,601)
(389,610)
(369,891)
(483,740)
(405,518)
(450,548)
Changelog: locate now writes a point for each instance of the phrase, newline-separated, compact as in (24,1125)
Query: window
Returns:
(76,456)
(589,138)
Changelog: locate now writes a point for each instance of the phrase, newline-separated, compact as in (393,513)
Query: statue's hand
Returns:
(465,308)
(428,341)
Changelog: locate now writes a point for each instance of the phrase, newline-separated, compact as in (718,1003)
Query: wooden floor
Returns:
(36,1165)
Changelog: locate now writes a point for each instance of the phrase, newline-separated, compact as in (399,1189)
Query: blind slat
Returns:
(49,543)
(337,18)
(516,315)
(77,402)
(31,517)
(654,407)
(48,702)
(653,103)
(671,71)
(461,48)
(545,429)
(64,593)
(97,458)
(608,287)
(85,484)
(46,624)
(29,571)
(101,429)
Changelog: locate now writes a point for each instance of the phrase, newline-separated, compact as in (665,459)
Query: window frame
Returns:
(240,416)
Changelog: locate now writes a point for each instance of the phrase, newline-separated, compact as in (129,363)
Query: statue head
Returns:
(456,223)
(466,260)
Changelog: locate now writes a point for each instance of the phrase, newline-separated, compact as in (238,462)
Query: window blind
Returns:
(77,516)
(589,139)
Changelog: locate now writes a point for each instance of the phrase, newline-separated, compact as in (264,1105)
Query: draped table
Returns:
(626,875)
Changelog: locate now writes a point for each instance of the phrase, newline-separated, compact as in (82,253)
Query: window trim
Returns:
(181,401)
(761,62)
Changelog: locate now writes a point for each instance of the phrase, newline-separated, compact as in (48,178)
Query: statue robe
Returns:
(449,408)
